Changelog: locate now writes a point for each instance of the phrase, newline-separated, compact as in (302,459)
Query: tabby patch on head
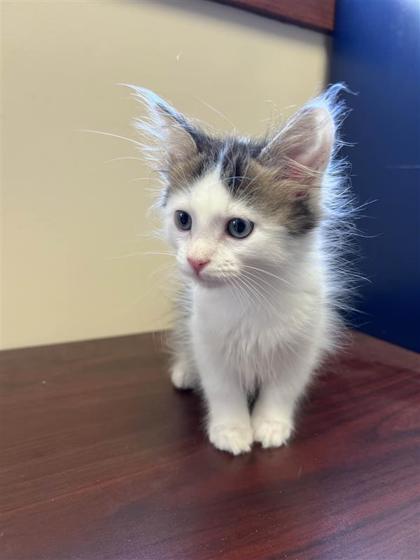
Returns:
(281,176)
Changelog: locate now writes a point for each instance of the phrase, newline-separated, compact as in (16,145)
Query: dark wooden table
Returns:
(102,459)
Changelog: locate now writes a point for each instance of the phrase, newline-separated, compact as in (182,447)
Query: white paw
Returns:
(233,438)
(271,432)
(181,377)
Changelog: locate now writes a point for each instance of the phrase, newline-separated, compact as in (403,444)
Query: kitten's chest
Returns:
(243,341)
(256,339)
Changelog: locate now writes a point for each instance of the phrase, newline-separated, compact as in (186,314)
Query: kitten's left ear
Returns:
(304,147)
(173,137)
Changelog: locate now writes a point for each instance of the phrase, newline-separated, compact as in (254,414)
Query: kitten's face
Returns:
(231,205)
(219,238)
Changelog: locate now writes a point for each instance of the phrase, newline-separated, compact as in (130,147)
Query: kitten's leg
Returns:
(272,418)
(229,425)
(273,414)
(183,370)
(183,373)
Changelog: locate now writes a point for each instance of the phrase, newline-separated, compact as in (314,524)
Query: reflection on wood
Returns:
(102,459)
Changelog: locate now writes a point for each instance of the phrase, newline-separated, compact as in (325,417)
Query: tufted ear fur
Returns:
(297,164)
(302,150)
(172,137)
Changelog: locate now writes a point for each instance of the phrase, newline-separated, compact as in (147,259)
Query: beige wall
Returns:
(69,213)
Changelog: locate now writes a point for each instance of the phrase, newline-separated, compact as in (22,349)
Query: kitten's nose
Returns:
(197,264)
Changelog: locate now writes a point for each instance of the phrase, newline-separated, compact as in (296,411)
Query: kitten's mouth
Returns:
(205,279)
(209,281)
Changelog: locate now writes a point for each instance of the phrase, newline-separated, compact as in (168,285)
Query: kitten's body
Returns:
(233,344)
(259,315)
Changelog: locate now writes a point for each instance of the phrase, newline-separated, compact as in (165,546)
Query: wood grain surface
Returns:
(317,14)
(102,459)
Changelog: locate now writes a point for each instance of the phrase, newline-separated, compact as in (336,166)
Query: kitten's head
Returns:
(232,205)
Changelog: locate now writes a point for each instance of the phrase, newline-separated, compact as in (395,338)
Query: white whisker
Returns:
(140,254)
(268,274)
(120,158)
(138,144)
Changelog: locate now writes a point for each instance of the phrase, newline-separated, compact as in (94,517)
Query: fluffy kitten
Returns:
(247,220)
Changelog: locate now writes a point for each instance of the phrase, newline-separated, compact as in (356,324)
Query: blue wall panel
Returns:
(376,52)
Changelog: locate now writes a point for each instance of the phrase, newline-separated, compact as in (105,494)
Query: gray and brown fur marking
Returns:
(267,188)
(266,174)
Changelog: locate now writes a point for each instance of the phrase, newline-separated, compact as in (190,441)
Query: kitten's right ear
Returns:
(173,138)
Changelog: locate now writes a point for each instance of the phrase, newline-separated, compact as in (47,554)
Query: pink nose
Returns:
(197,264)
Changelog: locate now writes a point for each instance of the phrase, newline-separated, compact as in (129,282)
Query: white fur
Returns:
(266,326)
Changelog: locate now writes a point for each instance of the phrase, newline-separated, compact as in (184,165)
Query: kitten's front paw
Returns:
(271,432)
(233,438)
(181,377)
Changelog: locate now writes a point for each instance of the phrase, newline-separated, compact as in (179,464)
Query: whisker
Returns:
(141,179)
(123,158)
(268,273)
(256,290)
(238,292)
(257,277)
(139,253)
(138,144)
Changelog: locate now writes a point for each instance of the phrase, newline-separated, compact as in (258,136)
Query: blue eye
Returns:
(183,220)
(239,228)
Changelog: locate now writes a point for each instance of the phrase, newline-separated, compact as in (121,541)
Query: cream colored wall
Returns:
(69,213)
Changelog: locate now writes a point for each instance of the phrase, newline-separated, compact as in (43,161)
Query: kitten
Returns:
(248,220)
